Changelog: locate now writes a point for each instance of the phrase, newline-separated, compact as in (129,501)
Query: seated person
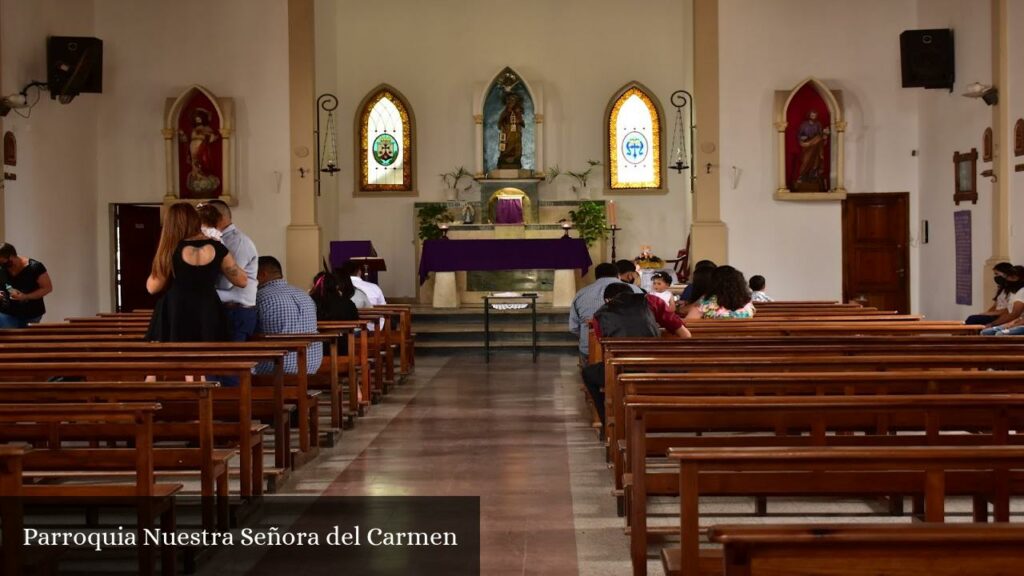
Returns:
(626,314)
(1001,301)
(757,290)
(628,273)
(284,309)
(1009,316)
(373,294)
(694,292)
(660,282)
(588,300)
(333,297)
(728,297)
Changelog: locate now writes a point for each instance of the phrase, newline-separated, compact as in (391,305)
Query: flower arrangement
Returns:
(648,260)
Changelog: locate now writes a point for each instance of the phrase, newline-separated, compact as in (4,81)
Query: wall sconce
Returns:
(326,150)
(990,94)
(682,159)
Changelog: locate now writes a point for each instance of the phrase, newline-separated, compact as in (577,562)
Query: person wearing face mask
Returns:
(23,283)
(1010,317)
(1001,302)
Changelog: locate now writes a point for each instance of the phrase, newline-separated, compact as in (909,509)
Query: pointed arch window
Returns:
(385,150)
(634,147)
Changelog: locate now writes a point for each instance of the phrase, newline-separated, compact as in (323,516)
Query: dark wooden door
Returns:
(136,235)
(876,250)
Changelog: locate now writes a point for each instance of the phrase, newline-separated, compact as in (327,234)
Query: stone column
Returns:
(1002,145)
(303,234)
(710,238)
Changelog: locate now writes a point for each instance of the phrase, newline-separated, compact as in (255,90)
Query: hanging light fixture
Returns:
(681,158)
(327,148)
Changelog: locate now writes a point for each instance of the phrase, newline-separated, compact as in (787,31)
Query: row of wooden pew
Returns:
(819,407)
(90,410)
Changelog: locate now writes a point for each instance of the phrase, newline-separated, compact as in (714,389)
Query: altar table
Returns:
(445,257)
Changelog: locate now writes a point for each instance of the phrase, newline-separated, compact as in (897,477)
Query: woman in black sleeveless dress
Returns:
(188,265)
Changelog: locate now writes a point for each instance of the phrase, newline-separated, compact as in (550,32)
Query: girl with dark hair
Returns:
(700,286)
(1001,301)
(333,297)
(1011,319)
(185,269)
(728,297)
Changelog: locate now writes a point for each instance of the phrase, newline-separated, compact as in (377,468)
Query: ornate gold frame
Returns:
(611,152)
(226,109)
(362,186)
(838,129)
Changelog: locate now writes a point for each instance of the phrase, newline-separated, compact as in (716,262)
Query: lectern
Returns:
(369,266)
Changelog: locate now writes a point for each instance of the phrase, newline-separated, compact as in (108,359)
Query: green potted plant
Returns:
(581,177)
(430,218)
(589,221)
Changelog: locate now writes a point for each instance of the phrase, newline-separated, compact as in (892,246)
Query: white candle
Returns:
(611,213)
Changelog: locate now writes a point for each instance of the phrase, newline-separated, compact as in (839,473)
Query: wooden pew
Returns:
(858,549)
(931,471)
(241,430)
(381,353)
(11,518)
(134,421)
(358,364)
(212,465)
(270,397)
(659,423)
(402,334)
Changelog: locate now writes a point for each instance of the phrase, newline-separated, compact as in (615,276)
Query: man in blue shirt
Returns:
(240,303)
(284,309)
(588,300)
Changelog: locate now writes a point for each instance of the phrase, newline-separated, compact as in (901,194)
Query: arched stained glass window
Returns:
(634,140)
(385,150)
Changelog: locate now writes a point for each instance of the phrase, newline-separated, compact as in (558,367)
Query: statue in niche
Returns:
(509,127)
(510,133)
(200,137)
(813,140)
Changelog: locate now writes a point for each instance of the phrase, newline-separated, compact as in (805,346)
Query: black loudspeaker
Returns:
(73,65)
(927,58)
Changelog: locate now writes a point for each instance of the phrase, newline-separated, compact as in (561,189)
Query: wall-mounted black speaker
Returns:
(73,65)
(927,58)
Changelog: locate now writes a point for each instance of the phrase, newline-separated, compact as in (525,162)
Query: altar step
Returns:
(462,329)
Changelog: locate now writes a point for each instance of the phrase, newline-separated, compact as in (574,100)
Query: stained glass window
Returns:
(385,143)
(634,141)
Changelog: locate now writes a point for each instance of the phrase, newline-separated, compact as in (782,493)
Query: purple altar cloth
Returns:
(546,254)
(344,250)
(509,211)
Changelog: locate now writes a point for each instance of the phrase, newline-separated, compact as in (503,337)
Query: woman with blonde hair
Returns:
(186,268)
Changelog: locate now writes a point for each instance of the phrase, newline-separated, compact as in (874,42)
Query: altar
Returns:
(483,258)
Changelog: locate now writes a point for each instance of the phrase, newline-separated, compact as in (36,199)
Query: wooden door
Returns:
(876,250)
(136,236)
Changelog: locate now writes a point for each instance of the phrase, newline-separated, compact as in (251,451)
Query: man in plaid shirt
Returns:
(284,309)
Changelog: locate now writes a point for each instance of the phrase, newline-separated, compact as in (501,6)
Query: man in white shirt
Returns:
(239,303)
(372,291)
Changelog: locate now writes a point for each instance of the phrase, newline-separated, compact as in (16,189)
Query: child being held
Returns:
(757,290)
(660,283)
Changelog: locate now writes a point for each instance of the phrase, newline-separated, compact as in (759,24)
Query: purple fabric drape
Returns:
(459,255)
(344,250)
(509,211)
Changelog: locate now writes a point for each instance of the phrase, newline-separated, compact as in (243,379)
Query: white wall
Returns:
(1012,94)
(49,207)
(852,46)
(439,53)
(950,123)
(155,49)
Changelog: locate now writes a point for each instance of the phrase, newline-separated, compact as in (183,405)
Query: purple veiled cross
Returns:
(509,211)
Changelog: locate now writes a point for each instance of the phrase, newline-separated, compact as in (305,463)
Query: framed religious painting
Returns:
(198,131)
(986,145)
(965,176)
